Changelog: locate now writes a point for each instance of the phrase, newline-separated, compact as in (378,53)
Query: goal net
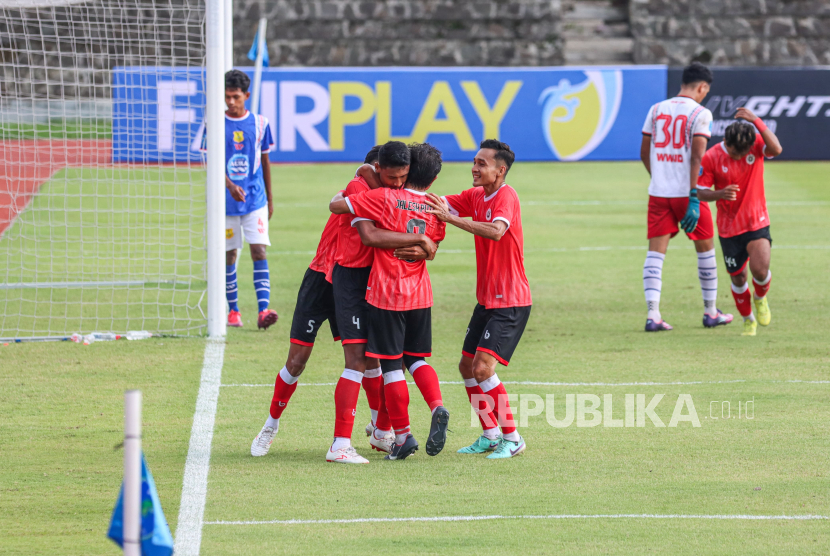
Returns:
(102,196)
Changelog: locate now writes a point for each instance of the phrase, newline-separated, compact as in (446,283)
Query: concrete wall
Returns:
(403,32)
(731,32)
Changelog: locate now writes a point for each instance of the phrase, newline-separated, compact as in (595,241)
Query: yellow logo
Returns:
(577,117)
(238,136)
(229,231)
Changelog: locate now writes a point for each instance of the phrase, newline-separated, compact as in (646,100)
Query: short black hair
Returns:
(393,154)
(236,79)
(740,136)
(697,72)
(372,155)
(503,151)
(425,165)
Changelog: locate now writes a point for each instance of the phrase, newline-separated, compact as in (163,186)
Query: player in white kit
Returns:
(675,135)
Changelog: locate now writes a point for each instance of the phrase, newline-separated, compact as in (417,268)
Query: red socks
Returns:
(743,299)
(345,402)
(493,388)
(397,399)
(372,385)
(427,382)
(383,422)
(482,409)
(761,288)
(284,387)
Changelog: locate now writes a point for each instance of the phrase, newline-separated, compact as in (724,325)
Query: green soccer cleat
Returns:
(762,311)
(481,445)
(508,449)
(750,327)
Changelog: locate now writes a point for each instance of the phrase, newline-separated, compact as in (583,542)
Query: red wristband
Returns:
(760,125)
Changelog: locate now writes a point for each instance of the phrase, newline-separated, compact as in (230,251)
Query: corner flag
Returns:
(156,539)
(253,51)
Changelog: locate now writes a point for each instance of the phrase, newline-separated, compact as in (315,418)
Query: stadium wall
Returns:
(731,32)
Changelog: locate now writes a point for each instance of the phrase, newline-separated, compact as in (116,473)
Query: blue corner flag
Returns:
(156,539)
(253,51)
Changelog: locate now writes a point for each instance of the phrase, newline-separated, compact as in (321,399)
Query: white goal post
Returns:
(108,220)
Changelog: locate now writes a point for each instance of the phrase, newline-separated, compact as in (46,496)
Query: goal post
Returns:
(109,221)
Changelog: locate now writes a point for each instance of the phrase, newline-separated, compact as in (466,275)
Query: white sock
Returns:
(340,442)
(374,417)
(512,436)
(653,283)
(273,423)
(378,434)
(707,273)
(491,434)
(401,438)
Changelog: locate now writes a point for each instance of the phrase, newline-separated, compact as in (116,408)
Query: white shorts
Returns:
(254,225)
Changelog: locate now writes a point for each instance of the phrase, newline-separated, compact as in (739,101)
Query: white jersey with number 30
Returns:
(672,124)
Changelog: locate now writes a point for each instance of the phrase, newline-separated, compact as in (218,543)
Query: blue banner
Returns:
(337,114)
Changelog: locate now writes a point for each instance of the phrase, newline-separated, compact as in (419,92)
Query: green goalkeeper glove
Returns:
(689,222)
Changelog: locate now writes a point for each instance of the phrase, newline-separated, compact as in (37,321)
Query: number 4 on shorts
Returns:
(356,322)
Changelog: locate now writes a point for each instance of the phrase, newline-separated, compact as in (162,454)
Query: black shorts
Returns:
(734,250)
(395,333)
(315,304)
(495,331)
(349,286)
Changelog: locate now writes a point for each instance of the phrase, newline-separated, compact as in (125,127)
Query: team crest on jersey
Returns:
(238,136)
(725,169)
(577,117)
(750,159)
(488,215)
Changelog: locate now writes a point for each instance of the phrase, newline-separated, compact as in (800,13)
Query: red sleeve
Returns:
(357,185)
(707,170)
(440,232)
(759,146)
(461,204)
(370,205)
(504,208)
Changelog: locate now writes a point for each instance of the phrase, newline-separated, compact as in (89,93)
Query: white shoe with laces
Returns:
(370,428)
(383,444)
(263,441)
(345,455)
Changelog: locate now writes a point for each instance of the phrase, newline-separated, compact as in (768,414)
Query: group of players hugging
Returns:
(369,279)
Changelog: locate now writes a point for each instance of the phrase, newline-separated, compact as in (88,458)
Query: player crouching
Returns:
(735,167)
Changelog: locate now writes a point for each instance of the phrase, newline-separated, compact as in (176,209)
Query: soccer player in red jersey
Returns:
(735,170)
(399,294)
(315,304)
(502,292)
(350,277)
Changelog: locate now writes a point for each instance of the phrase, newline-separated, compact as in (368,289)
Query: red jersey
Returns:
(501,281)
(323,261)
(351,252)
(748,212)
(397,285)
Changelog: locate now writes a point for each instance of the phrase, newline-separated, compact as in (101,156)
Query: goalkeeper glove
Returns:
(689,222)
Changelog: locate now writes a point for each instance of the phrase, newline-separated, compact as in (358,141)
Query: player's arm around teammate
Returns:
(502,291)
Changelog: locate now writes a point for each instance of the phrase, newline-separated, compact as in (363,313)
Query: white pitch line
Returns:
(535,383)
(807,517)
(194,486)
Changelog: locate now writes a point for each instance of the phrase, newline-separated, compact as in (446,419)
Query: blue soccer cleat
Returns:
(710,322)
(403,451)
(654,326)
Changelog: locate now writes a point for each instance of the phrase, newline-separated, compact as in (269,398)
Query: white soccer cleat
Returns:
(383,444)
(345,455)
(263,441)
(370,428)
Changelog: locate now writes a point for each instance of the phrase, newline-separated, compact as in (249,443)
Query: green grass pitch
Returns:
(62,408)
